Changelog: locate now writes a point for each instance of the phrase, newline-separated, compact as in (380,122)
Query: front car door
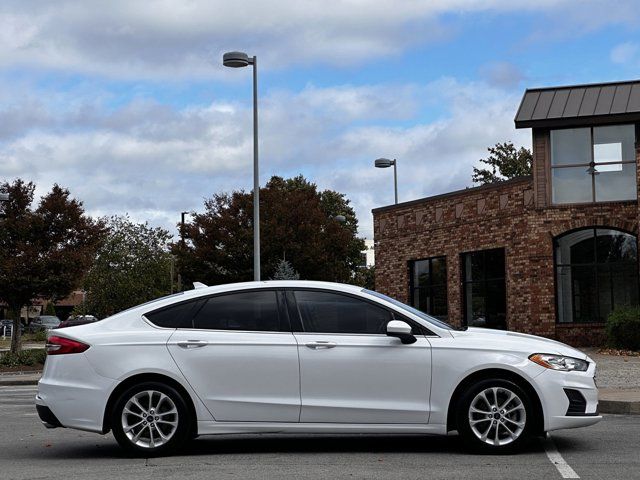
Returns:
(239,355)
(350,370)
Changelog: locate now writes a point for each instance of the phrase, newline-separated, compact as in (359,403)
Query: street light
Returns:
(238,60)
(386,163)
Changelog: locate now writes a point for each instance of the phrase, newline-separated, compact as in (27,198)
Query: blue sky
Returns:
(126,102)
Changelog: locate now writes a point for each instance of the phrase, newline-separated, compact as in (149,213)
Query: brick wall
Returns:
(512,215)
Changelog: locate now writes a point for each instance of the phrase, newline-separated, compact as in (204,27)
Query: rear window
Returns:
(174,316)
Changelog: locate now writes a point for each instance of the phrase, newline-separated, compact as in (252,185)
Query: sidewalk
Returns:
(618,381)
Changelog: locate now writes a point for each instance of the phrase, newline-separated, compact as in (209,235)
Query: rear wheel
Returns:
(150,419)
(495,415)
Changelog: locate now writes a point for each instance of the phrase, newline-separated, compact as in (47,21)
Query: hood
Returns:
(517,341)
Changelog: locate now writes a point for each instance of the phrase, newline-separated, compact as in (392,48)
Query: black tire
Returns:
(508,424)
(160,423)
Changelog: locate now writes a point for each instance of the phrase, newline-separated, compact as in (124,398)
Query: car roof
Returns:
(233,287)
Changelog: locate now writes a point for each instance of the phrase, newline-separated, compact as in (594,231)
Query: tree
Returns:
(297,222)
(284,271)
(43,252)
(365,277)
(504,162)
(132,266)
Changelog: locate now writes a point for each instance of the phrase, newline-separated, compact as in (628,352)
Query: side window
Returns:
(254,311)
(173,316)
(325,312)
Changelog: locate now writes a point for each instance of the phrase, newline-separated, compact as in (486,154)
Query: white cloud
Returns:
(154,161)
(174,39)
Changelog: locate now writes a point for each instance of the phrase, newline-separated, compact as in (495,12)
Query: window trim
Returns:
(464,283)
(395,315)
(551,167)
(413,288)
(554,241)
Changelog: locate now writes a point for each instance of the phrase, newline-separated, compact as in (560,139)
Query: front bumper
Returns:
(559,411)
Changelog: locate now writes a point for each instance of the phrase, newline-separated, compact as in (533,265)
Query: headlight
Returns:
(559,362)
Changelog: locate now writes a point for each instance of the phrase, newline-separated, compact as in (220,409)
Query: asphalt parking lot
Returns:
(29,451)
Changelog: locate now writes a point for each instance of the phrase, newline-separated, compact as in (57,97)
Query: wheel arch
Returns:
(497,373)
(148,377)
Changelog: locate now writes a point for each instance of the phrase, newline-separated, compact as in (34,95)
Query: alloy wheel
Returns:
(497,416)
(149,419)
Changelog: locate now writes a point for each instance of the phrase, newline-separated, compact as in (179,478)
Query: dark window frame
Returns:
(464,282)
(591,162)
(413,289)
(199,303)
(593,265)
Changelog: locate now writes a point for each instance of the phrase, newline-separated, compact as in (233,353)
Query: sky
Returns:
(126,102)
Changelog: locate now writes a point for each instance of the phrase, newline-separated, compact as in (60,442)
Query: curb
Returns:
(619,407)
(18,381)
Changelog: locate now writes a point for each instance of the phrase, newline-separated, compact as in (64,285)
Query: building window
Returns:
(429,286)
(595,164)
(596,271)
(484,292)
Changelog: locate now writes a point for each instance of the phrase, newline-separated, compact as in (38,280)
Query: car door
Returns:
(350,370)
(239,355)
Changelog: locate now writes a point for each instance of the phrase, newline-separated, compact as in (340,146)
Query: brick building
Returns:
(550,254)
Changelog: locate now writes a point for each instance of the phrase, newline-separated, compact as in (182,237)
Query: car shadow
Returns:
(242,444)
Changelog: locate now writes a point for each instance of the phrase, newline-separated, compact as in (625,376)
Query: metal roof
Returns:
(580,105)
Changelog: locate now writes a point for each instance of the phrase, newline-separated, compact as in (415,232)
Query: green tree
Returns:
(132,266)
(297,222)
(365,277)
(504,162)
(44,252)
(284,271)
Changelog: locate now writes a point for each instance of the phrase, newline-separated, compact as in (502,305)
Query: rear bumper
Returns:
(73,393)
(47,417)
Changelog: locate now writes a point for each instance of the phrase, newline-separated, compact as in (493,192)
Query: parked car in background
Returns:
(75,320)
(306,357)
(43,322)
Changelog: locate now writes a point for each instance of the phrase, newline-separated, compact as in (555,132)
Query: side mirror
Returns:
(401,330)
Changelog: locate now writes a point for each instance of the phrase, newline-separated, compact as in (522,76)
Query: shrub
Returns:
(24,358)
(40,336)
(623,328)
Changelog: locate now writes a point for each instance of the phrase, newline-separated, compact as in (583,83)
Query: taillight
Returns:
(60,346)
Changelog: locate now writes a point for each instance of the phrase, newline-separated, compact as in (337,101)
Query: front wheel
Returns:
(150,419)
(496,416)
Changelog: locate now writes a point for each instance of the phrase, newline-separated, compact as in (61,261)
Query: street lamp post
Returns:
(386,163)
(237,60)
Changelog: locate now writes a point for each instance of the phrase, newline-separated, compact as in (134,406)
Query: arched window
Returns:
(596,271)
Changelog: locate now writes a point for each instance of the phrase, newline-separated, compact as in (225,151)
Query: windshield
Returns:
(415,311)
(50,320)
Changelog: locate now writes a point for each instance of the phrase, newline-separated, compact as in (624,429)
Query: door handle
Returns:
(320,344)
(192,343)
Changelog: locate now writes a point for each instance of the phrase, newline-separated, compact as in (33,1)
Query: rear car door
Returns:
(350,370)
(238,353)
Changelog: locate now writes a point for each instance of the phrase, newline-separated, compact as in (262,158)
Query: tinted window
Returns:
(484,289)
(429,286)
(325,312)
(255,311)
(175,316)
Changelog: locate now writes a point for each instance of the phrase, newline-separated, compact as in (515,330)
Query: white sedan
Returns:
(306,357)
